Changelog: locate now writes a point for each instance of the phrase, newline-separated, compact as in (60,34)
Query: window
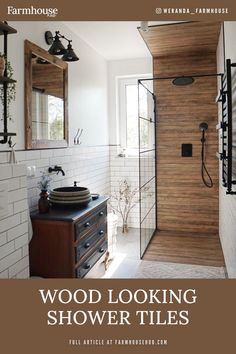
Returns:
(128,115)
(47,119)
(131,103)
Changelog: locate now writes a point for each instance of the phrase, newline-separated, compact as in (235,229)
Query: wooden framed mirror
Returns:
(46,99)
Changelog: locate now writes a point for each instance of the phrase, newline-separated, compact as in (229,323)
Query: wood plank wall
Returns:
(49,78)
(183,202)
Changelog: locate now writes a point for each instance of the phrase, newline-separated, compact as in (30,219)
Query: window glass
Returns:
(132,138)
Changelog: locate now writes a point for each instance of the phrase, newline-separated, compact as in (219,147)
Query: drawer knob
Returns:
(87,245)
(101,232)
(101,213)
(101,250)
(87,224)
(87,266)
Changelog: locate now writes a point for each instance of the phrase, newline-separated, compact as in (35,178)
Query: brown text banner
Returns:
(155,10)
(117,316)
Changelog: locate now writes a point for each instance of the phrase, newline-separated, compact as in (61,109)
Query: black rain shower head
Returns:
(203,126)
(183,81)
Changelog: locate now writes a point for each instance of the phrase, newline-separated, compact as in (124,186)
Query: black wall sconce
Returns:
(57,48)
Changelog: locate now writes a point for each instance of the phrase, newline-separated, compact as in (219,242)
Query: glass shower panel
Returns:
(143,101)
(148,227)
(147,197)
(147,163)
(147,167)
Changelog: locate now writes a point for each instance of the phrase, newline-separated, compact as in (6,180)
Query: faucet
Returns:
(56,169)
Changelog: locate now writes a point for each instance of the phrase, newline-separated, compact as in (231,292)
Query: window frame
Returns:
(122,82)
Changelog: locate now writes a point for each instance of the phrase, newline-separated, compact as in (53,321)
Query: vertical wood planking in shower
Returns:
(183,202)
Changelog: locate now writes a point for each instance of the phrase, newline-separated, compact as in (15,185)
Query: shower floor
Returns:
(185,248)
(127,264)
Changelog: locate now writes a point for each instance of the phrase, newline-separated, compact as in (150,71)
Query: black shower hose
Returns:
(204,170)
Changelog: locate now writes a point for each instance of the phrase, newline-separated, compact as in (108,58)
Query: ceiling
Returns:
(116,40)
(189,37)
(113,40)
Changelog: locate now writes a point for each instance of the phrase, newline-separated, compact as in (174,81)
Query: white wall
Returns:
(87,83)
(14,238)
(90,88)
(119,68)
(227,203)
(87,163)
(123,167)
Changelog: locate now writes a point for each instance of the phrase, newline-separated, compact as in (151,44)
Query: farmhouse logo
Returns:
(32,10)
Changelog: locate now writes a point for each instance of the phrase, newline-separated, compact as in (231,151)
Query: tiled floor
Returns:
(126,261)
(127,264)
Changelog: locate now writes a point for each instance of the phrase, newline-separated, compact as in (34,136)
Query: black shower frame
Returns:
(140,152)
(140,82)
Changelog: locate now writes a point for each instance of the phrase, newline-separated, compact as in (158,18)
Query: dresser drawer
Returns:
(84,268)
(89,242)
(90,223)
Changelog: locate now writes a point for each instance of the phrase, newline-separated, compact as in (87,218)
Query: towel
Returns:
(30,229)
(12,158)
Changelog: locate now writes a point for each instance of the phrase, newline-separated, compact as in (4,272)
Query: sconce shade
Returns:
(57,48)
(70,54)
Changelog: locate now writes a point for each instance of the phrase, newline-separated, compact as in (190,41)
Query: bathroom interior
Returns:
(118,150)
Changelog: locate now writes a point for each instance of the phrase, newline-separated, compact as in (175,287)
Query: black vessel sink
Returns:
(71,189)
(79,196)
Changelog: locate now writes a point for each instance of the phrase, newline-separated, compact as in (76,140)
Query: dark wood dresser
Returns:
(67,243)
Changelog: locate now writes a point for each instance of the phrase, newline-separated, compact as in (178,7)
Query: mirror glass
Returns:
(46,102)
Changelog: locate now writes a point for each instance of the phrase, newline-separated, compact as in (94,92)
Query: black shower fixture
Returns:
(57,48)
(204,172)
(183,81)
(144,26)
(203,126)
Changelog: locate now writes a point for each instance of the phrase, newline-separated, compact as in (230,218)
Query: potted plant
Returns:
(124,200)
(11,87)
(44,186)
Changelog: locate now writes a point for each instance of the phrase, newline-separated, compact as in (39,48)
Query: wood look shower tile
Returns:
(186,248)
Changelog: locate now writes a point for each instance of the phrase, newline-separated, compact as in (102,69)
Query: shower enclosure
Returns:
(147,162)
(178,129)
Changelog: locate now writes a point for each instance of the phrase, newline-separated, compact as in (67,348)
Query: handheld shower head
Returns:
(203,126)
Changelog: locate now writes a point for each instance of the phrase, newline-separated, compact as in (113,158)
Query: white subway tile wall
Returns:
(128,168)
(124,168)
(88,165)
(98,168)
(14,259)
